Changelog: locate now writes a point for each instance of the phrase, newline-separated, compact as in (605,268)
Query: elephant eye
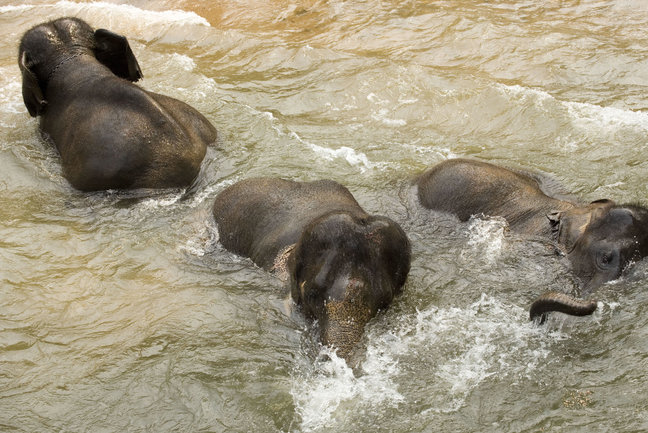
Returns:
(606,259)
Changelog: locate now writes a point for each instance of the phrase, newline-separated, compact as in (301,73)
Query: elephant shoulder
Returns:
(250,193)
(247,214)
(194,122)
(258,217)
(330,195)
(446,181)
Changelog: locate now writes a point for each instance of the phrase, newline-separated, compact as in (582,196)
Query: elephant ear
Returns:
(31,89)
(114,52)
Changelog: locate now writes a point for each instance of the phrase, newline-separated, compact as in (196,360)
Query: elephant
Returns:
(600,239)
(342,265)
(109,132)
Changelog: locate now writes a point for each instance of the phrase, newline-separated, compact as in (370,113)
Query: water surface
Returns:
(122,313)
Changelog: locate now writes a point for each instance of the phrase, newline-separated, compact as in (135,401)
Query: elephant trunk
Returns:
(343,328)
(561,302)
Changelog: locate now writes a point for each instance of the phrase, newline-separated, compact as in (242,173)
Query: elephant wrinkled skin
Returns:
(600,239)
(343,265)
(110,133)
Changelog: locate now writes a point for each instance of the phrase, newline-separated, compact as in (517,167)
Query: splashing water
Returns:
(486,239)
(459,349)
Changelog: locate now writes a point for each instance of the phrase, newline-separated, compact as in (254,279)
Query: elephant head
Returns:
(46,47)
(600,240)
(346,268)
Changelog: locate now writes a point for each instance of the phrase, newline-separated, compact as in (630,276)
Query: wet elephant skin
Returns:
(600,239)
(343,265)
(110,133)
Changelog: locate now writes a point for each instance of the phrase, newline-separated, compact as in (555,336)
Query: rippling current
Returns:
(120,311)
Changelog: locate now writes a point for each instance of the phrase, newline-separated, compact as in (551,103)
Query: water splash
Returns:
(486,239)
(456,348)
(463,347)
(204,193)
(160,202)
(329,393)
(10,92)
(203,240)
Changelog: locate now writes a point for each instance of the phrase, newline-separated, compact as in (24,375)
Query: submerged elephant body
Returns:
(110,133)
(343,264)
(600,239)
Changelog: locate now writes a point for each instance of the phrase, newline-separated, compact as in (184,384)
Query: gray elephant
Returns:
(342,265)
(110,133)
(600,239)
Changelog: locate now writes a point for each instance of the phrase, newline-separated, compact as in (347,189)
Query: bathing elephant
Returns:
(110,133)
(342,264)
(600,238)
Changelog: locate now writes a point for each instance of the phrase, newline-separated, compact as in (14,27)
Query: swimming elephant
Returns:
(342,264)
(110,133)
(600,239)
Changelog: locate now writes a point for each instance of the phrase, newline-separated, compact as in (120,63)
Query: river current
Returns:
(120,311)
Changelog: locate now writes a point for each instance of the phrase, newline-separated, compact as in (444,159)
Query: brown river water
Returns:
(120,312)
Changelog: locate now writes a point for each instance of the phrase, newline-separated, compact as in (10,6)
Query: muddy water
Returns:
(121,313)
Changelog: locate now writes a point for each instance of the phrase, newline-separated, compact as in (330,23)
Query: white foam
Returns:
(15,8)
(582,115)
(202,242)
(354,158)
(461,348)
(330,388)
(160,202)
(525,92)
(407,101)
(268,115)
(442,152)
(486,238)
(372,98)
(200,196)
(381,116)
(476,336)
(141,15)
(10,93)
(344,152)
(184,62)
(587,115)
(204,238)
